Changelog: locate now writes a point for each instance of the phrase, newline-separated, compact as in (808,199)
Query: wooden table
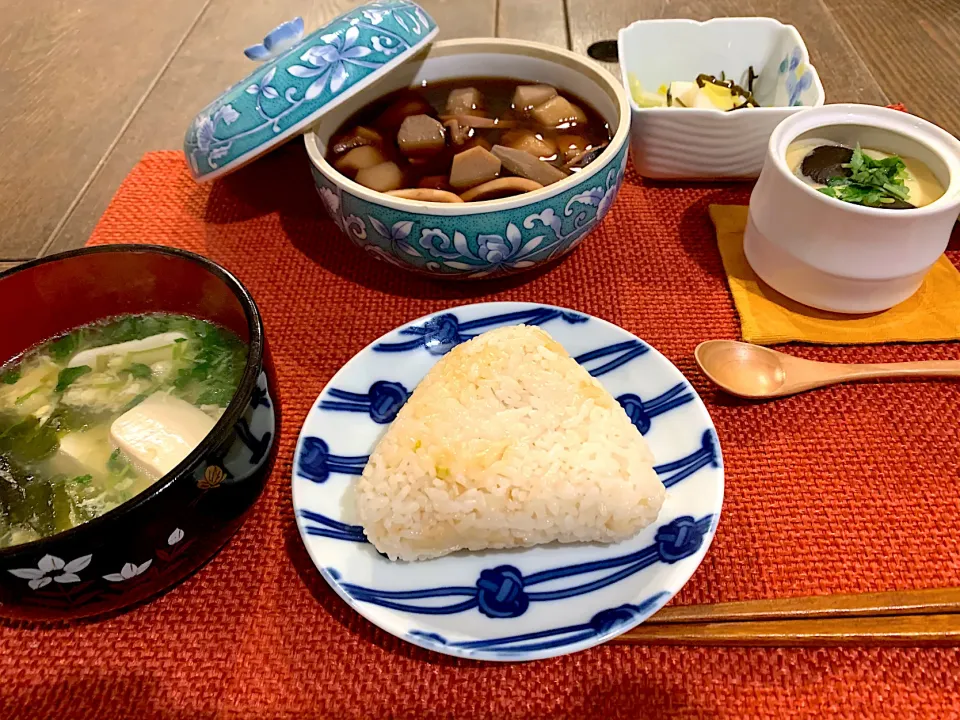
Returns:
(86,89)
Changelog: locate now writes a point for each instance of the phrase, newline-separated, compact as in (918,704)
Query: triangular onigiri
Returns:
(507,442)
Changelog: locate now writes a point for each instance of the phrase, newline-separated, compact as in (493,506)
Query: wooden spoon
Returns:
(755,372)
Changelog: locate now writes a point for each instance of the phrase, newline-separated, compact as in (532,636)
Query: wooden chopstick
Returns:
(888,631)
(901,602)
(915,618)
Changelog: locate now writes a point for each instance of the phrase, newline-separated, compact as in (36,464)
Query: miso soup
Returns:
(91,418)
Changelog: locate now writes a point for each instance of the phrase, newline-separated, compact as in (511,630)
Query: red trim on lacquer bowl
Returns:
(54,295)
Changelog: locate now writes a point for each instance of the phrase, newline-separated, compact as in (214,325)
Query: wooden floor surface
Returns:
(87,88)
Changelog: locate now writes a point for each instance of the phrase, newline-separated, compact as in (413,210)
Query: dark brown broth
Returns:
(498,103)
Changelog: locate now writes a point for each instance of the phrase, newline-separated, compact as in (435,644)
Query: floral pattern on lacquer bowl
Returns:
(478,245)
(160,536)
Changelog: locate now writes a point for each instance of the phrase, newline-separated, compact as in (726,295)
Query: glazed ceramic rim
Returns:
(223,426)
(715,112)
(571,61)
(935,139)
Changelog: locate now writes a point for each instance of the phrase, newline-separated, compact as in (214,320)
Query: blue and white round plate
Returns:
(508,604)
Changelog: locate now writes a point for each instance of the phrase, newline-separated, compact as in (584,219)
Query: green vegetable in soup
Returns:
(57,466)
(62,348)
(119,465)
(28,441)
(68,375)
(139,370)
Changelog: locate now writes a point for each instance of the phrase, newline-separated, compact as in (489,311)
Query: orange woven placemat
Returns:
(844,490)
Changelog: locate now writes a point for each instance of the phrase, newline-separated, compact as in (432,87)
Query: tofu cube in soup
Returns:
(527,97)
(473,167)
(159,433)
(464,101)
(83,452)
(420,135)
(527,166)
(359,158)
(558,112)
(382,178)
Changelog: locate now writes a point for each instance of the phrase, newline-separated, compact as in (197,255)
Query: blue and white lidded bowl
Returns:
(299,79)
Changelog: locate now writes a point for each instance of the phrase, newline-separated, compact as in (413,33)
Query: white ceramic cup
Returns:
(838,256)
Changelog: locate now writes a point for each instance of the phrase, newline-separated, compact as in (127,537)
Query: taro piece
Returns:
(558,112)
(473,167)
(359,158)
(420,135)
(464,101)
(382,178)
(529,141)
(572,146)
(527,97)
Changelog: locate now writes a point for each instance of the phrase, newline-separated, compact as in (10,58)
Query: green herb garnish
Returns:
(63,348)
(120,466)
(68,375)
(139,370)
(117,462)
(10,377)
(874,183)
(83,479)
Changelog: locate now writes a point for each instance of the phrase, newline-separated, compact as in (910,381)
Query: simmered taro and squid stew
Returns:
(468,140)
(91,418)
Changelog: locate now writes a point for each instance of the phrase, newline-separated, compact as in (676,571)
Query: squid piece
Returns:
(501,187)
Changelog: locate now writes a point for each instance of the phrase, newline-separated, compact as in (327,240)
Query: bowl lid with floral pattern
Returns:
(301,77)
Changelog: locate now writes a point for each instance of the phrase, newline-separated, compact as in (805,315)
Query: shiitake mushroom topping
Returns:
(826,162)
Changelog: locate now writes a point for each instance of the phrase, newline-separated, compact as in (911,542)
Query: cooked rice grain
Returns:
(507,442)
